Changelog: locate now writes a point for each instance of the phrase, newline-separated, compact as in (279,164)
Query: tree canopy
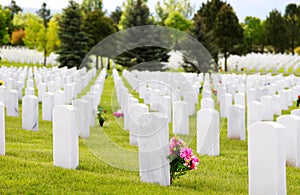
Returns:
(73,40)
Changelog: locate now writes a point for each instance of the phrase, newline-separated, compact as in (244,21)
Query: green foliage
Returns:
(254,34)
(137,14)
(91,5)
(97,26)
(228,31)
(163,11)
(276,31)
(53,41)
(178,21)
(292,18)
(45,14)
(116,15)
(4,36)
(32,31)
(73,40)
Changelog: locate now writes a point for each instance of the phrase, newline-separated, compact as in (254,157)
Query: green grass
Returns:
(27,167)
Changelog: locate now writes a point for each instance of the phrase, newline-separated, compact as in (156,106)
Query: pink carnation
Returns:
(195,162)
(186,153)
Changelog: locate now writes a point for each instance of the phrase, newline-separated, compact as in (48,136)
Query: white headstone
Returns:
(267,107)
(180,118)
(296,112)
(29,91)
(30,112)
(12,103)
(2,129)
(41,90)
(207,103)
(65,137)
(266,158)
(236,122)
(208,132)
(165,106)
(228,103)
(154,148)
(91,109)
(254,112)
(81,116)
(47,106)
(239,99)
(59,98)
(292,138)
(134,111)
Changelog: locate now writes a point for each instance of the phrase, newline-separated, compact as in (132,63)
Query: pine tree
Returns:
(73,40)
(137,14)
(228,31)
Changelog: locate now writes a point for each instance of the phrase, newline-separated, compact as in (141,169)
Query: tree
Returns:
(178,21)
(97,26)
(253,33)
(292,18)
(45,14)
(14,8)
(91,5)
(17,37)
(276,31)
(116,15)
(169,6)
(73,40)
(53,41)
(137,14)
(33,27)
(228,31)
(4,36)
(199,31)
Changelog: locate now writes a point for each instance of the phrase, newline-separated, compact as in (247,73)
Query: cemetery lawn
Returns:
(27,167)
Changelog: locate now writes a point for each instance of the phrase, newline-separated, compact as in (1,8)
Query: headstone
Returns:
(134,111)
(2,129)
(92,112)
(3,94)
(154,100)
(267,107)
(29,91)
(65,137)
(208,132)
(292,138)
(30,112)
(47,106)
(154,148)
(239,99)
(41,91)
(165,106)
(59,98)
(207,103)
(81,116)
(228,103)
(180,118)
(12,103)
(254,112)
(296,112)
(266,158)
(236,122)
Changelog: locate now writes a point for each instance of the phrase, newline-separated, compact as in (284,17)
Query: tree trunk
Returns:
(225,66)
(45,57)
(108,64)
(97,62)
(101,62)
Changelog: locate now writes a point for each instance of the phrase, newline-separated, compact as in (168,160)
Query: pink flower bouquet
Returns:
(118,114)
(181,158)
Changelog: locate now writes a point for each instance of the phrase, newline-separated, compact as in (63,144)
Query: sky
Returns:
(242,8)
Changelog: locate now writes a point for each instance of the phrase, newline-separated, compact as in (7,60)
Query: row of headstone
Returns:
(266,62)
(71,121)
(149,131)
(25,55)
